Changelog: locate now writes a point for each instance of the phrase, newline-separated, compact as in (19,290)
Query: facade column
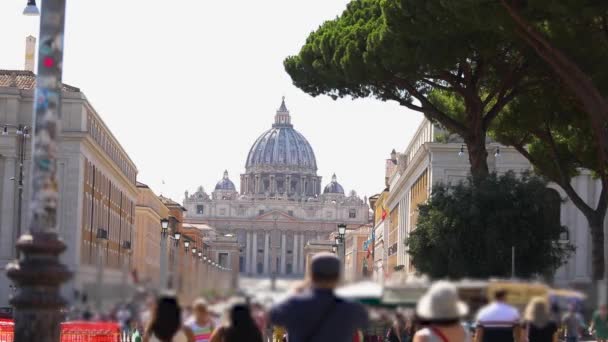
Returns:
(302,256)
(283,252)
(294,263)
(266,250)
(303,185)
(314,185)
(257,184)
(248,254)
(254,253)
(273,184)
(288,185)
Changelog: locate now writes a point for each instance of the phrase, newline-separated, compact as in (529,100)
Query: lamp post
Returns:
(38,273)
(22,133)
(176,237)
(102,236)
(341,242)
(164,227)
(126,246)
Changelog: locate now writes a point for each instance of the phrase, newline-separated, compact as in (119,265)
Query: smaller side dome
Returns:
(225,183)
(334,187)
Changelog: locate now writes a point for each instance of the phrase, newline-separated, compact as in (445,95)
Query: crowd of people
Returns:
(314,313)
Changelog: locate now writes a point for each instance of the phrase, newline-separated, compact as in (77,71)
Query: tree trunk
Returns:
(478,155)
(596,228)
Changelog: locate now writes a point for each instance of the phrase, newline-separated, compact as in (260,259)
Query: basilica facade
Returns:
(281,204)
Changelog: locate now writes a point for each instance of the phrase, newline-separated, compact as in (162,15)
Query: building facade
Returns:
(435,156)
(97,187)
(281,204)
(149,211)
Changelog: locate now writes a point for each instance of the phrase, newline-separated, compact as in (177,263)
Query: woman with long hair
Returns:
(166,323)
(241,327)
(539,325)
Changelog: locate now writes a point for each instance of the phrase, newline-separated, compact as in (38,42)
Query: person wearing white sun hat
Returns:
(440,311)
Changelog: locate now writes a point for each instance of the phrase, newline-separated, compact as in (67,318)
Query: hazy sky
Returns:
(187,86)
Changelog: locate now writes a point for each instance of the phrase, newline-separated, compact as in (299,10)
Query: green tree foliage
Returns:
(468,229)
(415,52)
(548,128)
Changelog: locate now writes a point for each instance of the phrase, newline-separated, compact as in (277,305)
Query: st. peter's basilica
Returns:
(281,205)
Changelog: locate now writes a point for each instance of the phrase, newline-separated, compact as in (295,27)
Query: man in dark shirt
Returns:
(316,315)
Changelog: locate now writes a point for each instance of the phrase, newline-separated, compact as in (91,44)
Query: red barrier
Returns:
(73,331)
(90,332)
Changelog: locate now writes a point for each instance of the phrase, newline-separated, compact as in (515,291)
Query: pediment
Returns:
(278,215)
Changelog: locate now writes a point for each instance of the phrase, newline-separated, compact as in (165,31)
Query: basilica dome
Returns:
(225,183)
(282,146)
(334,187)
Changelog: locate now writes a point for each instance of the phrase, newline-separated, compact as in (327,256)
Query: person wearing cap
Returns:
(440,311)
(498,321)
(317,314)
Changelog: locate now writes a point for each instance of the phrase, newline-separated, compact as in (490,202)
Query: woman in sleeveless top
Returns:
(539,327)
(166,323)
(440,311)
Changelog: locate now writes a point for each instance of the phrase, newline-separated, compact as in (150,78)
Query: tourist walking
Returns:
(241,327)
(401,329)
(200,323)
(317,314)
(166,323)
(538,323)
(498,321)
(440,312)
(573,324)
(599,324)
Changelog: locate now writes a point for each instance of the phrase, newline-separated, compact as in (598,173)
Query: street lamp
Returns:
(164,226)
(164,229)
(177,236)
(186,245)
(194,251)
(31,9)
(342,229)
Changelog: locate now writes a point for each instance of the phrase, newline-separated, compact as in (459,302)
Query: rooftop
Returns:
(25,80)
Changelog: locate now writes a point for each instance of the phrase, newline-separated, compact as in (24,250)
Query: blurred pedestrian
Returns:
(599,324)
(498,321)
(317,314)
(166,323)
(200,323)
(539,325)
(241,327)
(401,329)
(123,316)
(440,312)
(573,324)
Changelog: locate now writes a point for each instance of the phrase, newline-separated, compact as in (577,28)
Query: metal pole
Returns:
(125,270)
(99,279)
(163,262)
(513,262)
(22,139)
(38,273)
(175,270)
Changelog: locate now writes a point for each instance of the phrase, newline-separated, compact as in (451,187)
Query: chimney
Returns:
(30,51)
